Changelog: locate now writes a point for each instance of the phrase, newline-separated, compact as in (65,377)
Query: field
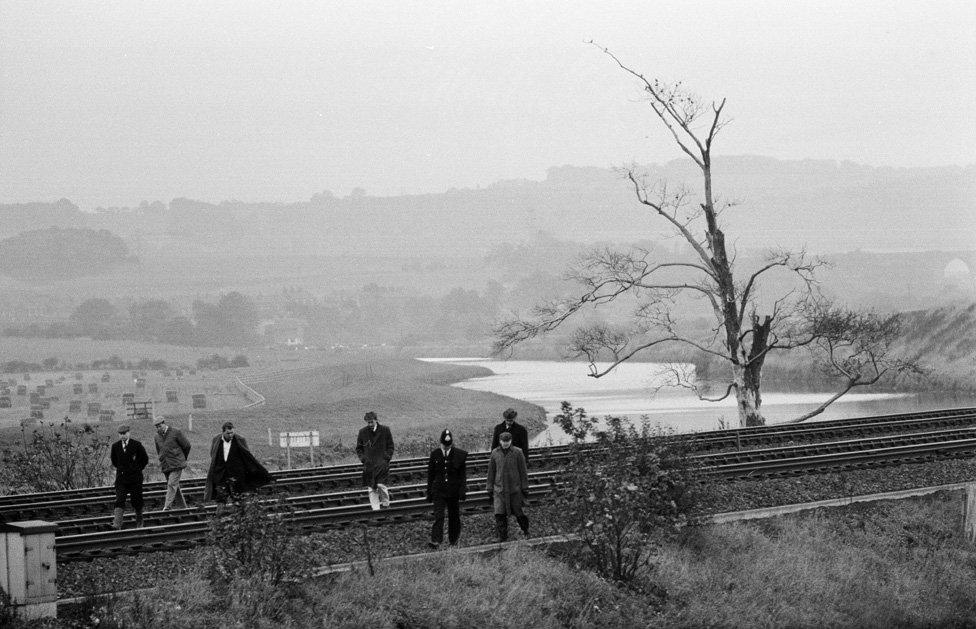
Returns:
(73,351)
(303,391)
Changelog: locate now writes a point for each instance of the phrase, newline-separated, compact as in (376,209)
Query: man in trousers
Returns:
(173,449)
(520,436)
(446,488)
(129,458)
(508,482)
(374,447)
(233,469)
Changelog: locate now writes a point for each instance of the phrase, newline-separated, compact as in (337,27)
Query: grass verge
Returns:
(891,564)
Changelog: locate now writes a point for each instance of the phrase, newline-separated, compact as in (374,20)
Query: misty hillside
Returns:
(60,254)
(825,205)
(945,340)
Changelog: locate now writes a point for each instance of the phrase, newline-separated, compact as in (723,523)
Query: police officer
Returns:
(447,478)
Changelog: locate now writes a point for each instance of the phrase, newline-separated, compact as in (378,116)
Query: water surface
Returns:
(633,390)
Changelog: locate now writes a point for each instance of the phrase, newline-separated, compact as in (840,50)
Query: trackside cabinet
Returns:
(28,567)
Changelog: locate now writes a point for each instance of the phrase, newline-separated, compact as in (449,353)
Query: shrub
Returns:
(626,493)
(251,541)
(58,456)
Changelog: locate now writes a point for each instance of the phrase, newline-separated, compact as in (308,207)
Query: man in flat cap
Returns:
(374,447)
(508,485)
(173,449)
(128,458)
(447,486)
(520,436)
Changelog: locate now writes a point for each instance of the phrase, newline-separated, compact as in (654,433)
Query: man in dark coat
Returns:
(129,459)
(374,447)
(447,478)
(233,469)
(508,485)
(520,436)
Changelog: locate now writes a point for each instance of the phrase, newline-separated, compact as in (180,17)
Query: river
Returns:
(629,391)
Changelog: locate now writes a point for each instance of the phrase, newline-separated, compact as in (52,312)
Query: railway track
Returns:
(97,500)
(76,539)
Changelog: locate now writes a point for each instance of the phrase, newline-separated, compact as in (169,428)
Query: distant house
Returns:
(284,332)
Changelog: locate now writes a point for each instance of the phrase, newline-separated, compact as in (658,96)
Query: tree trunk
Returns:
(748,398)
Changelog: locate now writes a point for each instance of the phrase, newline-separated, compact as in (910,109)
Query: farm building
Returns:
(284,332)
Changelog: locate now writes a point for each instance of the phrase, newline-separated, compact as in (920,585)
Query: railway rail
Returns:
(59,504)
(181,528)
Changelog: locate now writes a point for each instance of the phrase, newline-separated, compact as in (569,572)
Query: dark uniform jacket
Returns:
(240,463)
(130,463)
(375,449)
(520,437)
(447,477)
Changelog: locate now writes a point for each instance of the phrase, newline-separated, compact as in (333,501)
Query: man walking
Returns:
(446,488)
(173,449)
(233,469)
(508,482)
(374,446)
(128,458)
(520,436)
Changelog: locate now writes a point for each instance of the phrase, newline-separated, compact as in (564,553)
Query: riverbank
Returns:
(632,390)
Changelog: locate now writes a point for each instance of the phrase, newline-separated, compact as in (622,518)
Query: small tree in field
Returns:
(58,456)
(625,493)
(745,326)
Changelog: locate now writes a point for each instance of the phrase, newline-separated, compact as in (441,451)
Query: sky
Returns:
(113,103)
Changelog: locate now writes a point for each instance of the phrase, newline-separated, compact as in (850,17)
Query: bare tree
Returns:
(857,347)
(745,328)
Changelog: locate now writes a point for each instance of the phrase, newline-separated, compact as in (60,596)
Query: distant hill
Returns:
(58,254)
(826,205)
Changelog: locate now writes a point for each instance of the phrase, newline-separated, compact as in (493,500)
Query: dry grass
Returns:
(897,564)
(900,564)
(451,591)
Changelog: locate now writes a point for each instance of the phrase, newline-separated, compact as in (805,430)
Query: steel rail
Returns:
(58,509)
(735,438)
(321,515)
(184,534)
(713,460)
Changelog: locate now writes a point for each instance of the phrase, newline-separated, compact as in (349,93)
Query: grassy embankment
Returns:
(901,563)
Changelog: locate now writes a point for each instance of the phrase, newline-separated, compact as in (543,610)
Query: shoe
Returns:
(433,545)
(384,495)
(117,518)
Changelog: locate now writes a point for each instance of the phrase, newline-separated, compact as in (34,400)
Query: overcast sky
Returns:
(110,103)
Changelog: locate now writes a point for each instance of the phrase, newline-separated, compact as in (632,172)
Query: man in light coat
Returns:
(173,449)
(374,447)
(508,482)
